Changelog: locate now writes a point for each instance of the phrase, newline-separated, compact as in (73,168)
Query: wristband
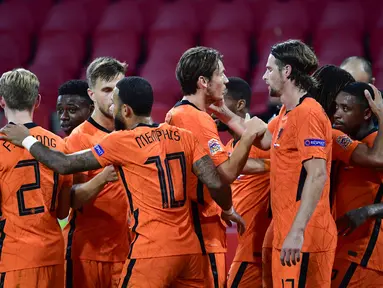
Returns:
(228,212)
(28,142)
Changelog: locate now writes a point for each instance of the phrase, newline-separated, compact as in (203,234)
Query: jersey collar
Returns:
(98,126)
(29,125)
(186,102)
(154,125)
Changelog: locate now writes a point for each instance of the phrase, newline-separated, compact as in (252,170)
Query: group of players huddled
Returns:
(149,203)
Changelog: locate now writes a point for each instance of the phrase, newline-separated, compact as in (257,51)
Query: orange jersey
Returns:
(342,146)
(99,230)
(186,115)
(156,181)
(251,201)
(357,187)
(30,235)
(301,134)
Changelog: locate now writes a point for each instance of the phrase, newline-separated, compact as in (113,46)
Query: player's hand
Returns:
(351,220)
(234,217)
(218,110)
(14,133)
(291,249)
(109,174)
(376,104)
(254,127)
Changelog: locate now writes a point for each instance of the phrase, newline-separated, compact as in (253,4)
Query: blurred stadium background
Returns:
(57,39)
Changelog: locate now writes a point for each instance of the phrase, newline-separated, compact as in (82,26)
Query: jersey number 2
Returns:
(180,156)
(23,211)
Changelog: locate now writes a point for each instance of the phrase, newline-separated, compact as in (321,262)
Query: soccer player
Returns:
(358,260)
(32,195)
(73,105)
(359,68)
(201,75)
(165,251)
(251,191)
(97,236)
(305,234)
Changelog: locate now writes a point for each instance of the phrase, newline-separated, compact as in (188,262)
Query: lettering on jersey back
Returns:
(50,142)
(157,135)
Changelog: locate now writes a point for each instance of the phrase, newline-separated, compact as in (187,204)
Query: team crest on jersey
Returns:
(343,141)
(214,146)
(315,142)
(99,150)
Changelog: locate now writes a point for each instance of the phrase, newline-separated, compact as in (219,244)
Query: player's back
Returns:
(30,233)
(156,180)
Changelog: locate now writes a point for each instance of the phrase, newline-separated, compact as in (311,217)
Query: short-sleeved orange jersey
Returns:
(357,187)
(208,224)
(99,230)
(301,134)
(30,235)
(251,200)
(342,146)
(156,181)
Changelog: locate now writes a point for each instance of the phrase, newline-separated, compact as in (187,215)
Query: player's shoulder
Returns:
(47,137)
(310,107)
(181,131)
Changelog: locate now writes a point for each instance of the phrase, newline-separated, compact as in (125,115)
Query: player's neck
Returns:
(291,96)
(100,119)
(364,131)
(197,99)
(141,120)
(19,117)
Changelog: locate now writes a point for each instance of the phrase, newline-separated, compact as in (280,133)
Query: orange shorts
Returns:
(348,274)
(40,277)
(174,271)
(214,269)
(91,274)
(267,276)
(245,275)
(313,270)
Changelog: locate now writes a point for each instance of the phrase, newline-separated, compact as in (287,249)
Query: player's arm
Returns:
(64,198)
(84,192)
(256,165)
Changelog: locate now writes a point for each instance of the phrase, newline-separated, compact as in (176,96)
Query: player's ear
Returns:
(367,114)
(202,82)
(241,104)
(287,70)
(91,94)
(38,101)
(2,102)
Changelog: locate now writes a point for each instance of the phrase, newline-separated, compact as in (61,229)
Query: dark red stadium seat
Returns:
(64,50)
(230,17)
(336,47)
(51,77)
(376,41)
(10,57)
(373,11)
(123,46)
(149,10)
(124,16)
(70,17)
(175,18)
(260,92)
(159,112)
(204,9)
(17,22)
(161,75)
(235,49)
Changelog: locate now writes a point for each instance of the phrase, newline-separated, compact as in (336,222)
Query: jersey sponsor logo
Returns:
(315,142)
(343,141)
(214,146)
(99,150)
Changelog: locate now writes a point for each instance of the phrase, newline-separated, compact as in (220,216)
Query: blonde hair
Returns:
(104,68)
(20,89)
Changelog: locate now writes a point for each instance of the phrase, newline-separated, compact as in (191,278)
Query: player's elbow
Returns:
(320,175)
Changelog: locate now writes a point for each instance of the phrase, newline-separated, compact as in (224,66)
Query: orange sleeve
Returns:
(311,135)
(198,151)
(342,146)
(108,151)
(272,124)
(75,143)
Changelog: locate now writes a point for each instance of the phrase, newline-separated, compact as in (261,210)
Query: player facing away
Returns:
(251,195)
(358,260)
(97,235)
(201,75)
(165,251)
(305,234)
(32,195)
(73,105)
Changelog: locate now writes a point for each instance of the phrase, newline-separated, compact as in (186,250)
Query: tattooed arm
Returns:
(62,163)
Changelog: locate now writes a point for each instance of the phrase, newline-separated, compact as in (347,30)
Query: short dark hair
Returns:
(137,93)
(331,80)
(367,67)
(196,62)
(302,60)
(105,68)
(239,89)
(75,87)
(357,89)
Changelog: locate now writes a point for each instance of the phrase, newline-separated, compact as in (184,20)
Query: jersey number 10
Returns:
(23,211)
(180,156)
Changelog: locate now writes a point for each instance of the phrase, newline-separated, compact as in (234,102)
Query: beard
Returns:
(274,92)
(106,113)
(118,125)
